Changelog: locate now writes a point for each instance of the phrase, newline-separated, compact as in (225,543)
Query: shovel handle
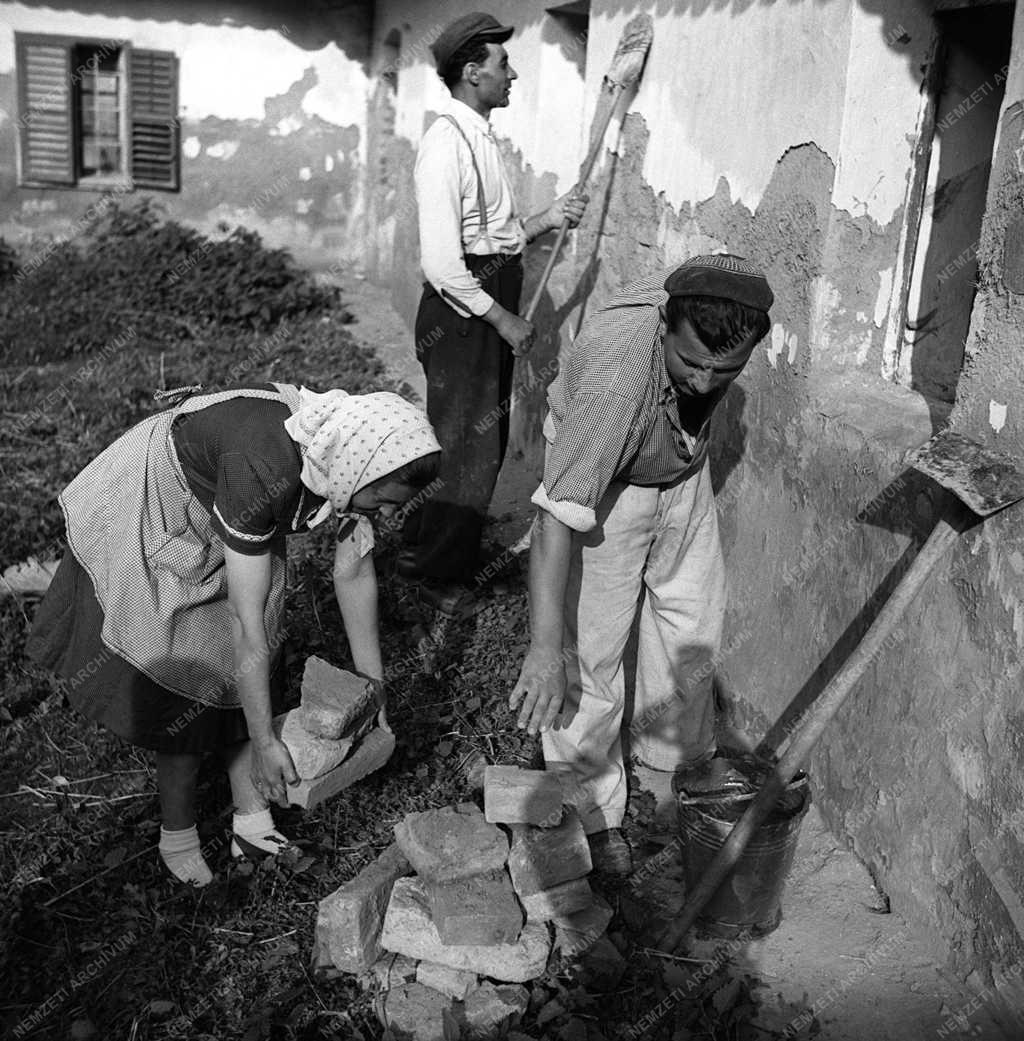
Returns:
(943,535)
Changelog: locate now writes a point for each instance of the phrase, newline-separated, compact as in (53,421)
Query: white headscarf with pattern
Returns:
(348,441)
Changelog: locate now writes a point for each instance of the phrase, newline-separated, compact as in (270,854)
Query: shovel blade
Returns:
(984,480)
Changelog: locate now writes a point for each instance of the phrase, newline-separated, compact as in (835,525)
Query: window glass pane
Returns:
(99,98)
(101,157)
(106,120)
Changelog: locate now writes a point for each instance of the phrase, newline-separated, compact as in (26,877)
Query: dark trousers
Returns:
(469,384)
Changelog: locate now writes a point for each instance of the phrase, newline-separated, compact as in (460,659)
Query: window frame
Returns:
(103,182)
(129,104)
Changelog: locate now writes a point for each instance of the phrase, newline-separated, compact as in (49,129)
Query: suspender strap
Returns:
(480,203)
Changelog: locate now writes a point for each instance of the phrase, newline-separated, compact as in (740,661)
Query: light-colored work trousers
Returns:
(656,551)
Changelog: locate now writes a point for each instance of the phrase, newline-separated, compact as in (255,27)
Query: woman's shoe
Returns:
(243,847)
(253,835)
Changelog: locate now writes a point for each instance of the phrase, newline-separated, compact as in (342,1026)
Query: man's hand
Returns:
(273,770)
(570,207)
(517,332)
(541,689)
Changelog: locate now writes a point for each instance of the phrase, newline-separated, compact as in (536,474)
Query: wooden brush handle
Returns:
(539,291)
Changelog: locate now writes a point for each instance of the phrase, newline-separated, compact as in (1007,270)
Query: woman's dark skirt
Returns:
(65,638)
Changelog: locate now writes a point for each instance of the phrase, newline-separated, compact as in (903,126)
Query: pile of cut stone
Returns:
(332,736)
(426,939)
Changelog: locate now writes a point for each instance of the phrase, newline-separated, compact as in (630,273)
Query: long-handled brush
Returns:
(626,68)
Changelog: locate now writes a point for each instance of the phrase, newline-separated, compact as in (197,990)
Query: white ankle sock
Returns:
(183,855)
(258,830)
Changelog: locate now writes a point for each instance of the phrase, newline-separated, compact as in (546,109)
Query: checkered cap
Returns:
(723,275)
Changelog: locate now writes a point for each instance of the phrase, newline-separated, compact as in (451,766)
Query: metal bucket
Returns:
(749,901)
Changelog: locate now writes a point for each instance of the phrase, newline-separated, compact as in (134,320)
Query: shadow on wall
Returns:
(567,31)
(311,25)
(890,28)
(972,61)
(729,437)
(899,508)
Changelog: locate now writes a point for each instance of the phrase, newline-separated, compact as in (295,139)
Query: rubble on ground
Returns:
(454,921)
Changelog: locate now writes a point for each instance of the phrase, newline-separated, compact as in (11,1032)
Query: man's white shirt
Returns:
(449,213)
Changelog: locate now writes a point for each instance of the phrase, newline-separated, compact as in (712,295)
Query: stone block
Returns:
(479,910)
(335,703)
(475,771)
(320,963)
(455,983)
(350,919)
(516,796)
(372,752)
(489,1008)
(579,931)
(408,930)
(413,1012)
(542,858)
(558,901)
(392,970)
(451,843)
(311,755)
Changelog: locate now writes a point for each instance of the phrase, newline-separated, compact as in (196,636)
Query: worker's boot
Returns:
(610,854)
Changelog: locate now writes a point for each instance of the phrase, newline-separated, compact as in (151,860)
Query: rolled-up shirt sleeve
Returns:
(588,446)
(438,180)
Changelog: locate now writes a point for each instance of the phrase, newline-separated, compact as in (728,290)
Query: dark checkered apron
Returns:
(155,562)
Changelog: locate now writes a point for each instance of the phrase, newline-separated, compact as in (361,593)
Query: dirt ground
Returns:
(858,973)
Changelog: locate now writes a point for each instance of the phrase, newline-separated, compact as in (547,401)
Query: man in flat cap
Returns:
(467,326)
(626,527)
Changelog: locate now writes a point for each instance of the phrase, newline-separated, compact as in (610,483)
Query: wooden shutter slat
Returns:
(47,127)
(153,111)
(45,118)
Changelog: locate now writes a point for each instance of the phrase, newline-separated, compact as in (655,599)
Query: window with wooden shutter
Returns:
(152,114)
(96,114)
(46,145)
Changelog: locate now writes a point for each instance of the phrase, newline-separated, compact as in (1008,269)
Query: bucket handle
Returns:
(700,800)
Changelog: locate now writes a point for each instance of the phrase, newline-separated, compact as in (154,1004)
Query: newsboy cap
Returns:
(463,29)
(724,275)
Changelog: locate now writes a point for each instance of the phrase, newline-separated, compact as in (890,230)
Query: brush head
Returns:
(631,53)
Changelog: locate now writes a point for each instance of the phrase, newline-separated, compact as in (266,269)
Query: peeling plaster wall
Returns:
(272,125)
(785,132)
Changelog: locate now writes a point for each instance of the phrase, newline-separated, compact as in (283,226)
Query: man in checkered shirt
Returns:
(627,527)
